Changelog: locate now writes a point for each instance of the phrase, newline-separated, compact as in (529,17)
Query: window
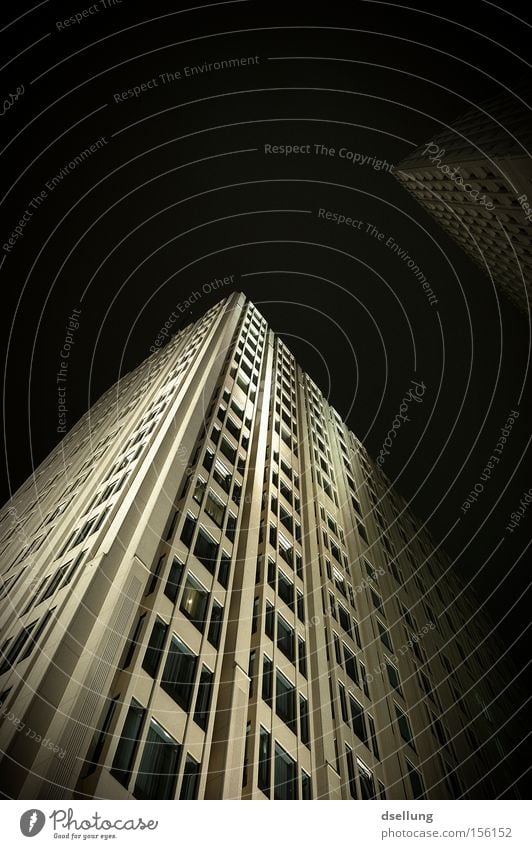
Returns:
(127,745)
(215,626)
(285,638)
(99,738)
(351,665)
(404,726)
(264,761)
(222,475)
(173,583)
(16,645)
(367,788)
(357,720)
(365,685)
(377,601)
(343,702)
(267,680)
(154,579)
(300,606)
(35,636)
(393,677)
(224,569)
(199,490)
(230,530)
(268,620)
(203,700)
(385,636)
(153,653)
(206,550)
(190,784)
(373,736)
(286,589)
(286,550)
(227,450)
(304,728)
(194,602)
(345,621)
(306,786)
(302,655)
(133,642)
(179,673)
(351,772)
(215,508)
(285,701)
(157,773)
(451,779)
(188,529)
(416,781)
(285,775)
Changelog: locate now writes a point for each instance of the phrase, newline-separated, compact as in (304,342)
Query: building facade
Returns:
(475,179)
(209,591)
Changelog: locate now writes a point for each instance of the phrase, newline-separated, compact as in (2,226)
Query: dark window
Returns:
(351,665)
(188,529)
(393,677)
(127,745)
(302,655)
(385,636)
(373,735)
(100,737)
(155,647)
(157,773)
(285,775)
(285,638)
(404,726)
(269,620)
(345,620)
(228,450)
(179,673)
(337,650)
(285,700)
(304,721)
(343,702)
(351,772)
(215,625)
(286,589)
(16,645)
(203,700)
(215,508)
(194,602)
(264,761)
(267,680)
(133,642)
(225,567)
(206,550)
(230,530)
(173,583)
(357,720)
(300,606)
(367,787)
(416,782)
(306,786)
(190,784)
(35,636)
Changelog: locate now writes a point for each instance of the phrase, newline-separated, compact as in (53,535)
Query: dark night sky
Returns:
(182,192)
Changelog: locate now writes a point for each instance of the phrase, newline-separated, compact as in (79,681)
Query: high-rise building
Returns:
(475,179)
(210,591)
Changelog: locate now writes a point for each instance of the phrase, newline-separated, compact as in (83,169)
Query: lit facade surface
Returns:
(209,591)
(491,218)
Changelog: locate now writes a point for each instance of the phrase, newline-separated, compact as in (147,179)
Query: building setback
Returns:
(475,179)
(210,591)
